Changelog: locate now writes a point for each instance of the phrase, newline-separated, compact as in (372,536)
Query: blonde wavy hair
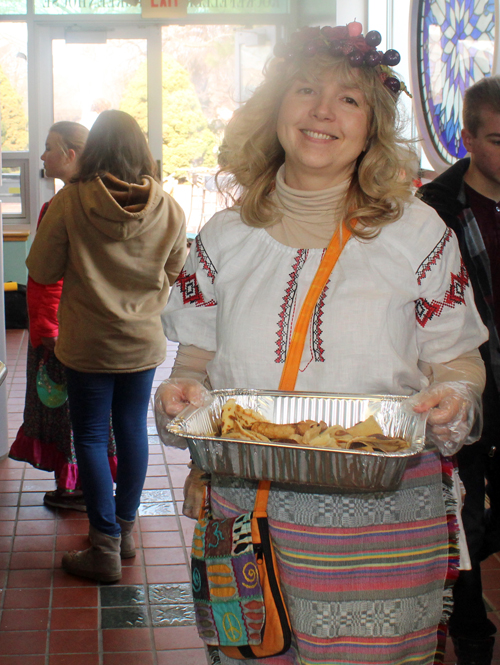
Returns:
(251,153)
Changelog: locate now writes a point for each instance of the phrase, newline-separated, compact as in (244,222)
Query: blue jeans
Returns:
(91,399)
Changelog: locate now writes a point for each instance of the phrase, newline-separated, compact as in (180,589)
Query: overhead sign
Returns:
(164,8)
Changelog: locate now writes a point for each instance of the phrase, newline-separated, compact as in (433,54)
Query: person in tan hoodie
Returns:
(119,241)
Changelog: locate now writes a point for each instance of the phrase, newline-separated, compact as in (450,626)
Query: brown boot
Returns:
(100,562)
(127,549)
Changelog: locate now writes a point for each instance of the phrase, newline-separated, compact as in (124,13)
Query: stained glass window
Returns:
(456,45)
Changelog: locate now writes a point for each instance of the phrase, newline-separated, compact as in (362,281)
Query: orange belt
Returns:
(296,348)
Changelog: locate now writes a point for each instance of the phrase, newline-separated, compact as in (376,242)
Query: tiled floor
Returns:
(50,618)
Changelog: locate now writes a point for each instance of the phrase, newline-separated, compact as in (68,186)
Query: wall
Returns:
(14,256)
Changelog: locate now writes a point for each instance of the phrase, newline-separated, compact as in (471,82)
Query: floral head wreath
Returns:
(348,41)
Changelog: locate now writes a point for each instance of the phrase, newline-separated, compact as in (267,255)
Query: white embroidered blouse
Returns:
(403,297)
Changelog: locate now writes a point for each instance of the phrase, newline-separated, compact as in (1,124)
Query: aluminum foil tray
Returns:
(344,470)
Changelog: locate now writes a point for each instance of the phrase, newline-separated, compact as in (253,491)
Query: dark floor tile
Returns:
(81,618)
(64,579)
(184,656)
(26,598)
(31,560)
(133,575)
(22,660)
(35,513)
(33,544)
(163,556)
(177,456)
(74,641)
(124,617)
(156,483)
(72,526)
(122,596)
(9,498)
(170,594)
(177,637)
(75,659)
(161,539)
(148,524)
(130,658)
(137,639)
(27,642)
(178,474)
(173,615)
(24,619)
(8,512)
(32,498)
(29,579)
(167,574)
(36,527)
(7,528)
(79,541)
(75,597)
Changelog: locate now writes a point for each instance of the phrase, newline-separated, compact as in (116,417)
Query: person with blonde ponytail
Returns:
(318,172)
(45,438)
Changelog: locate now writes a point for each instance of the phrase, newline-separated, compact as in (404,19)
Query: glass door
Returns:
(93,71)
(181,83)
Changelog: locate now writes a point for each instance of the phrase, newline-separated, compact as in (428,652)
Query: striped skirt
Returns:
(366,576)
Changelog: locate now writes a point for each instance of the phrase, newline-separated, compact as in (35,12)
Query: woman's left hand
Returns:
(454,411)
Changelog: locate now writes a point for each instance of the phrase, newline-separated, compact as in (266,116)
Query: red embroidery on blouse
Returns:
(191,294)
(205,260)
(433,257)
(287,306)
(455,295)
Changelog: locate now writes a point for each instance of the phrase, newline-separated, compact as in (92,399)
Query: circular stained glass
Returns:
(456,40)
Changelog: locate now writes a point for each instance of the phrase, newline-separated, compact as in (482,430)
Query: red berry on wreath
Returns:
(355,28)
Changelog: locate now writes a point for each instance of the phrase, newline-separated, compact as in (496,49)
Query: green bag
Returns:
(50,393)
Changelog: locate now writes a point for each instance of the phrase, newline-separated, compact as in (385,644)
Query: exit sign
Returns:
(164,8)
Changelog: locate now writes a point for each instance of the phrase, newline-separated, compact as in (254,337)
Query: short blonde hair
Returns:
(251,153)
(71,135)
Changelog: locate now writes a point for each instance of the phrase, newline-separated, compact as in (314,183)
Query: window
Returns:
(14,188)
(14,86)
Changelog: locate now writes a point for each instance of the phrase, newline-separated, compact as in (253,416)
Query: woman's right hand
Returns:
(176,394)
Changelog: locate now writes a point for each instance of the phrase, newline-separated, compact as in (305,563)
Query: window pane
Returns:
(207,70)
(239,7)
(10,191)
(14,86)
(13,7)
(69,7)
(83,87)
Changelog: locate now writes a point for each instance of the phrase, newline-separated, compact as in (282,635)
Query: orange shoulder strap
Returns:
(260,506)
(296,348)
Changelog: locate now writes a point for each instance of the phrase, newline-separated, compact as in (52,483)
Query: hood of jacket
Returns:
(119,209)
(446,193)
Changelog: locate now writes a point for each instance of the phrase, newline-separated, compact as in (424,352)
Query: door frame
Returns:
(41,189)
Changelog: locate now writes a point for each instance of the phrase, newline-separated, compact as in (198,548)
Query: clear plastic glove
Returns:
(172,396)
(455,415)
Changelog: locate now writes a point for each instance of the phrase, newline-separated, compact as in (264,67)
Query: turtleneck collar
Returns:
(308,219)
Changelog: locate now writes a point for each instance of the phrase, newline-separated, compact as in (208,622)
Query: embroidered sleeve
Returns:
(448,323)
(189,317)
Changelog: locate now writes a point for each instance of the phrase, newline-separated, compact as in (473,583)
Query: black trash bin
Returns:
(16,311)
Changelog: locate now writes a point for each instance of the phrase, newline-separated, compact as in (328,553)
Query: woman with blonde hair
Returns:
(45,439)
(319,168)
